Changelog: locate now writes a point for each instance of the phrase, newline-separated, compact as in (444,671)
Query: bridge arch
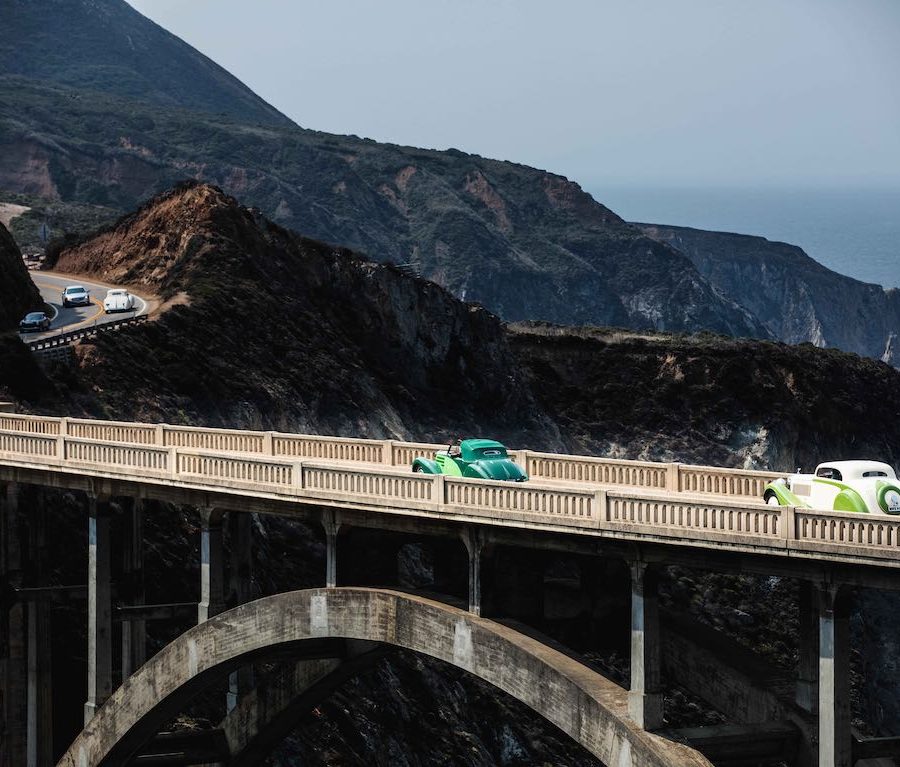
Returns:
(586,706)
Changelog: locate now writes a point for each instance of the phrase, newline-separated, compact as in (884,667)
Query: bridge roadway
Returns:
(690,507)
(649,514)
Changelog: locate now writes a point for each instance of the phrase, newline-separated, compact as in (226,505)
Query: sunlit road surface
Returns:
(51,286)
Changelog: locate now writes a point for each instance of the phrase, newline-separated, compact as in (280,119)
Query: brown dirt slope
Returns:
(277,330)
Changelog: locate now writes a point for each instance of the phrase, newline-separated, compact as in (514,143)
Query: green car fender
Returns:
(847,499)
(426,466)
(784,495)
(850,500)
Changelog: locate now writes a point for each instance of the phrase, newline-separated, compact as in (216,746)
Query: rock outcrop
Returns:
(18,293)
(794,296)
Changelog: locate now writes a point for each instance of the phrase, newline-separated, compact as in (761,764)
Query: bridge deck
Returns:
(704,507)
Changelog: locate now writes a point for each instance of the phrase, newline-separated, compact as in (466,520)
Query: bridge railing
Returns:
(672,477)
(657,513)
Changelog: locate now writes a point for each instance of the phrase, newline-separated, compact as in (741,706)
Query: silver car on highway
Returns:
(75,295)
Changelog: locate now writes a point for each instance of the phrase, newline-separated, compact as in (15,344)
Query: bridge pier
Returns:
(835,737)
(134,632)
(39,751)
(332,531)
(99,607)
(13,631)
(240,537)
(212,572)
(645,697)
(807,690)
(474,542)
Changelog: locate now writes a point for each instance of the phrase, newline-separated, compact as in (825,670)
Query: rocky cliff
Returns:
(708,399)
(121,125)
(18,293)
(794,296)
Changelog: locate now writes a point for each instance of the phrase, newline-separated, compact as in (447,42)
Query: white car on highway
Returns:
(75,295)
(118,300)
(860,486)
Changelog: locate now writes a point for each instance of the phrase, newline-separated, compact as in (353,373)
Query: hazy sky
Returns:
(728,92)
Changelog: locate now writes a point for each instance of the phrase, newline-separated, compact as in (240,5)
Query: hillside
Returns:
(795,297)
(108,46)
(526,243)
(269,328)
(18,293)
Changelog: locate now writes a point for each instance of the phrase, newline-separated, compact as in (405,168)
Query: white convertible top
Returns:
(859,469)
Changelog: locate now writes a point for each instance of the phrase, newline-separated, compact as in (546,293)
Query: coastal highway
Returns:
(51,285)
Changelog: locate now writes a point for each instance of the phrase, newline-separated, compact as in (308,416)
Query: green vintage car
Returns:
(475,458)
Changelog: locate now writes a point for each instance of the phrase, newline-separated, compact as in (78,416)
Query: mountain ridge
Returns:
(525,243)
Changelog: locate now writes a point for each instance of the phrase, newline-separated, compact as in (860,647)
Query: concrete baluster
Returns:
(835,739)
(212,566)
(134,633)
(645,698)
(99,607)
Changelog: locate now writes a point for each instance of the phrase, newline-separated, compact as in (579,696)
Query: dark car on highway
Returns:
(34,321)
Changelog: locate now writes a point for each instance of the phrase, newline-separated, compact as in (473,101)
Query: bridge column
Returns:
(212,575)
(99,607)
(835,739)
(40,696)
(332,530)
(240,538)
(807,692)
(13,659)
(134,633)
(474,546)
(645,698)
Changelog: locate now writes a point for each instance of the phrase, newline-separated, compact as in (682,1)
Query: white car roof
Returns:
(117,292)
(75,287)
(856,469)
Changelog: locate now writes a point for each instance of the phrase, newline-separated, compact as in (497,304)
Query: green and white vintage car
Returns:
(474,458)
(867,487)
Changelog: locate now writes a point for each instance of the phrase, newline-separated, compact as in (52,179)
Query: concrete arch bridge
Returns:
(645,516)
(319,623)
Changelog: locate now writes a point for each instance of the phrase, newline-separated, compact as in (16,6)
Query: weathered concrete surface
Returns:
(583,704)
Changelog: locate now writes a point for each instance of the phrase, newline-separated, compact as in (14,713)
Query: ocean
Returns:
(852,231)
